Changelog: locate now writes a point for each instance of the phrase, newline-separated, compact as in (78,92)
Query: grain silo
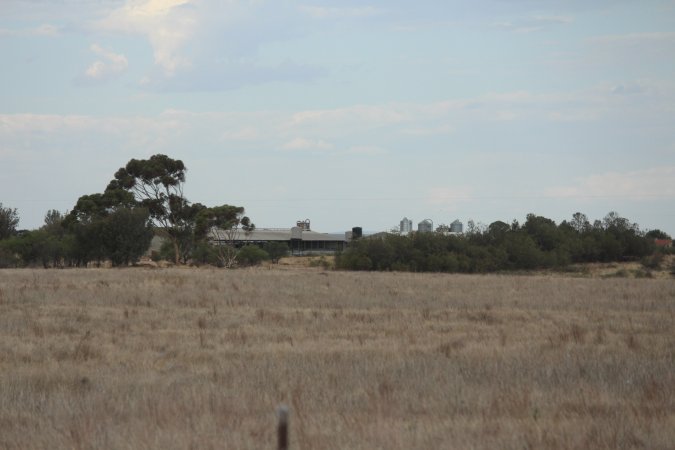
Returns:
(425,226)
(456,227)
(406,226)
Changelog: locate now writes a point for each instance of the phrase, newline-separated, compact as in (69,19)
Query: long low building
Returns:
(300,240)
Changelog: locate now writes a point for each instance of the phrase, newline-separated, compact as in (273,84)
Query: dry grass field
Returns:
(200,358)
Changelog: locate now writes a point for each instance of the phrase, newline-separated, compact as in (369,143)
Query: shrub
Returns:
(251,255)
(7,259)
(653,261)
(205,253)
(276,250)
(320,262)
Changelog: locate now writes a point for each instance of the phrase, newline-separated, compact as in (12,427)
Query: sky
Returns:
(348,113)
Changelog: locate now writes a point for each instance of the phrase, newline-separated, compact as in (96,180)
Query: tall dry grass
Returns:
(201,358)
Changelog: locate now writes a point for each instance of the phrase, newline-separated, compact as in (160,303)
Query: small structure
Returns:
(301,240)
(663,243)
(406,226)
(456,227)
(425,226)
(304,224)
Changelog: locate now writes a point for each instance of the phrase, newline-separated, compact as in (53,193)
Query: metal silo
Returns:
(456,227)
(406,226)
(425,226)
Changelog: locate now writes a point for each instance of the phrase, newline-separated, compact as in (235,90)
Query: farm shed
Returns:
(300,241)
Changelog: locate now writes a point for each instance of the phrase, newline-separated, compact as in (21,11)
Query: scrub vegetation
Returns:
(200,358)
(539,243)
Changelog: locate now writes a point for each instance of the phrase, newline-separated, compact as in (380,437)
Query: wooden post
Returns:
(282,428)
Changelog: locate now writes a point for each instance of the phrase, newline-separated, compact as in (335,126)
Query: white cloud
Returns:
(112,65)
(324,12)
(248,133)
(45,30)
(307,144)
(210,45)
(46,132)
(653,183)
(534,23)
(168,25)
(366,150)
(627,52)
(429,131)
(353,117)
(449,199)
(635,38)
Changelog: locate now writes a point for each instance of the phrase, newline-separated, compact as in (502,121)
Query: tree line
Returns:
(538,243)
(145,198)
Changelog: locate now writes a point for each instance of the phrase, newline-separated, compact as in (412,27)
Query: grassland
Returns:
(185,358)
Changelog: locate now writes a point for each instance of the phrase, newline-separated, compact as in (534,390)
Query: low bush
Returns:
(251,255)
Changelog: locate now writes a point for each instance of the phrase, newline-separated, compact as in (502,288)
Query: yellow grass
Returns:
(184,358)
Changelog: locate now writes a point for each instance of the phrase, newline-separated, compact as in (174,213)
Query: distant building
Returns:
(456,227)
(301,240)
(425,226)
(406,226)
(664,243)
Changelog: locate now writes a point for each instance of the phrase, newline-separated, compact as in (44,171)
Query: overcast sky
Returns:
(349,113)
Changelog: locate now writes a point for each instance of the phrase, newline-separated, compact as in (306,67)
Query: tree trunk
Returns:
(176,250)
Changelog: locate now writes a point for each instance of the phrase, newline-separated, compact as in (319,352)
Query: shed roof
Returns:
(267,234)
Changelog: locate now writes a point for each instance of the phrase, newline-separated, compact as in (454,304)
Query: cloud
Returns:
(635,38)
(248,133)
(44,30)
(227,75)
(52,134)
(629,88)
(632,50)
(210,45)
(365,150)
(449,199)
(429,131)
(324,12)
(307,144)
(370,128)
(647,184)
(358,116)
(110,66)
(167,24)
(534,23)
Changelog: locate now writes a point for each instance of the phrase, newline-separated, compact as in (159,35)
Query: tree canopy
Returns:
(539,243)
(9,219)
(156,183)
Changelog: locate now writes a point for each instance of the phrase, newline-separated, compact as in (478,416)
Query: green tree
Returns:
(543,231)
(157,184)
(497,231)
(126,234)
(657,234)
(33,247)
(580,222)
(224,226)
(205,253)
(60,242)
(251,255)
(276,250)
(108,226)
(9,219)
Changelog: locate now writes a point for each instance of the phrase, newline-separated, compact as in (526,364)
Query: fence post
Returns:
(282,428)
